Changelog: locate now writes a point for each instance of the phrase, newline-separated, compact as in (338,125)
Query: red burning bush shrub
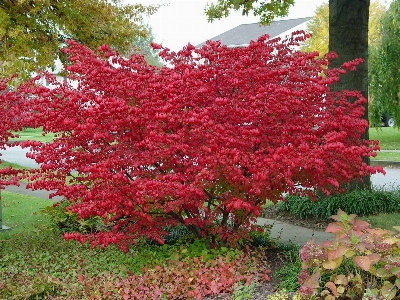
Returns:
(12,111)
(203,141)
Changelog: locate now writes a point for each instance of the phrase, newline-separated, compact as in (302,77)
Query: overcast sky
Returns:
(184,21)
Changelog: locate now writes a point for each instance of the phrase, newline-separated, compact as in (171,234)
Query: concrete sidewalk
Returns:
(21,189)
(295,234)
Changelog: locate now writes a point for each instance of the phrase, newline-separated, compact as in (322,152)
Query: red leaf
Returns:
(214,287)
(363,262)
(332,287)
(334,228)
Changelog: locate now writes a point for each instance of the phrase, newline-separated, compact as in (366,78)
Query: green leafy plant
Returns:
(372,254)
(359,202)
(262,237)
(284,295)
(288,275)
(191,278)
(65,220)
(243,291)
(31,267)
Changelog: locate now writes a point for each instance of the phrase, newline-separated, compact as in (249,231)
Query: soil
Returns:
(275,261)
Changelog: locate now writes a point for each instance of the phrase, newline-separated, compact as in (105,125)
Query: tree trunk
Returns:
(348,37)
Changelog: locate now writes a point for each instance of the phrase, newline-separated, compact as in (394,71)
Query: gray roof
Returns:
(243,34)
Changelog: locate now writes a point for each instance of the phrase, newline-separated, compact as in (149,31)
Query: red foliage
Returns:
(193,279)
(203,141)
(12,108)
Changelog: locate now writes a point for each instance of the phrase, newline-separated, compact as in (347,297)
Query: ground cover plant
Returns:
(28,249)
(31,267)
(360,263)
(202,141)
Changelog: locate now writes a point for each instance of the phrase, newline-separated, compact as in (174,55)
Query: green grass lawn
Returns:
(388,137)
(37,263)
(35,134)
(392,156)
(22,212)
(6,164)
(385,221)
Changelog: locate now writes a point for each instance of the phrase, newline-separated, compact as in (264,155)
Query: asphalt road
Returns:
(17,155)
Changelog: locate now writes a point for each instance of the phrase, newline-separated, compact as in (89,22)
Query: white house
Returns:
(241,35)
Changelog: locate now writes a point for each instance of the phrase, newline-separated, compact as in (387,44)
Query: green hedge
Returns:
(359,202)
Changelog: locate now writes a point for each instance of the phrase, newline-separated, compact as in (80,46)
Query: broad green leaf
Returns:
(332,264)
(388,291)
(382,273)
(341,289)
(397,282)
(349,253)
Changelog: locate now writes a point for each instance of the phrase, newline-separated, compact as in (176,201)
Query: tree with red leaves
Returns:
(203,141)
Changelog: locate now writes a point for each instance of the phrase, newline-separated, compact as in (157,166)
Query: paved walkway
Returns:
(21,189)
(295,234)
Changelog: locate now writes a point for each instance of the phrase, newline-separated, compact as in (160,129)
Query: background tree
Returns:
(348,36)
(203,141)
(266,10)
(142,45)
(32,32)
(318,26)
(385,71)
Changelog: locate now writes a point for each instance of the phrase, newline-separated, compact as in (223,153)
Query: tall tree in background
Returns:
(385,71)
(318,26)
(142,45)
(266,10)
(348,36)
(31,32)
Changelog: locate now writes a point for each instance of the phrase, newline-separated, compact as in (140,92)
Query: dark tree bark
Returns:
(348,37)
